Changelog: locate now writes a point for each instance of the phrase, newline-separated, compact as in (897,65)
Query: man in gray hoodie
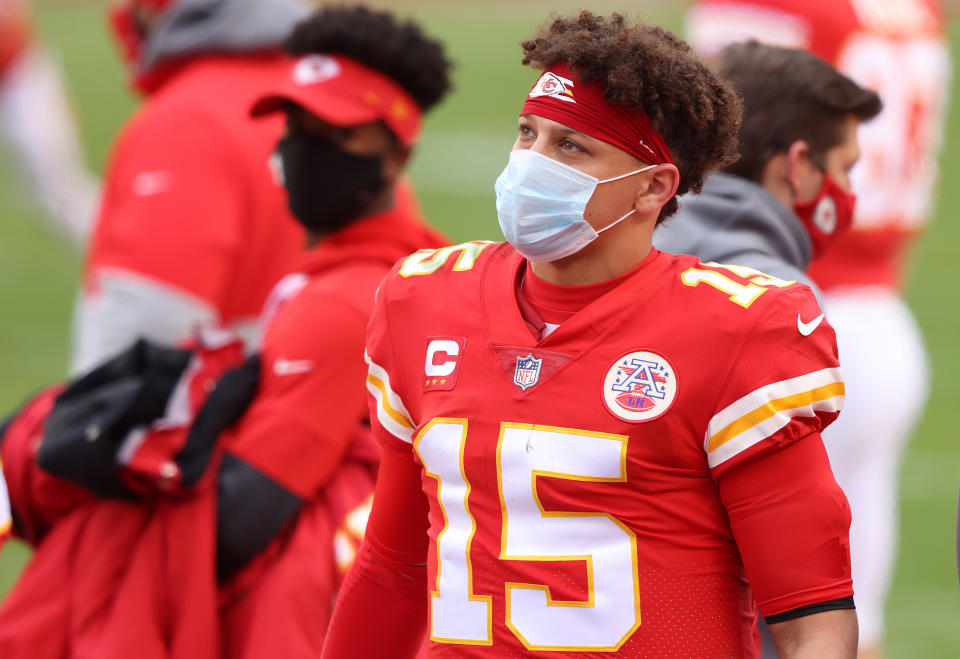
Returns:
(788,198)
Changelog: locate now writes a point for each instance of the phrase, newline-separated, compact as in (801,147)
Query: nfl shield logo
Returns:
(528,371)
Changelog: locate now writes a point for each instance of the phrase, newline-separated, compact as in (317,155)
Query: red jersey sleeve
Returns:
(173,207)
(311,397)
(784,383)
(390,419)
(788,515)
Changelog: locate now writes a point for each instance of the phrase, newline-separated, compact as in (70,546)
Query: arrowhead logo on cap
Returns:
(315,68)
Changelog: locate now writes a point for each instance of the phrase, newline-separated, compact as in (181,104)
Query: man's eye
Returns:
(525,131)
(568,145)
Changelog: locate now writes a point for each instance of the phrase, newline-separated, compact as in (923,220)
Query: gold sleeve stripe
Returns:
(391,413)
(774,407)
(766,410)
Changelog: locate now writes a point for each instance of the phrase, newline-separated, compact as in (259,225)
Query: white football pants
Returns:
(886,372)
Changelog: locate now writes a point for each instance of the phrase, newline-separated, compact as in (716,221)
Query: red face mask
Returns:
(827,216)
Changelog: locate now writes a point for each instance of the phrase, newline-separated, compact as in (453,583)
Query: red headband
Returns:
(563,98)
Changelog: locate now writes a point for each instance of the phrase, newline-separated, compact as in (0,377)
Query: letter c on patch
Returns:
(441,348)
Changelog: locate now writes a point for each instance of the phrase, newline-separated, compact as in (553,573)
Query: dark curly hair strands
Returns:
(646,67)
(400,50)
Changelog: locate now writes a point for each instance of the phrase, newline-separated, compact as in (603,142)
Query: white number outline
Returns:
(588,558)
(435,591)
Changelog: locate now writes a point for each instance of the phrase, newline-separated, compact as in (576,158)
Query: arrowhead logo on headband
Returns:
(550,84)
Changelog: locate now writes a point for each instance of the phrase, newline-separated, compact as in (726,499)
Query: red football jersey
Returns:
(897,48)
(575,483)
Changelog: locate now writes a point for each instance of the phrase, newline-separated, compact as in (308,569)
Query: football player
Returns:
(37,122)
(899,49)
(589,445)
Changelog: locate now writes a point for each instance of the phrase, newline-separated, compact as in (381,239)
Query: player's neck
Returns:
(611,255)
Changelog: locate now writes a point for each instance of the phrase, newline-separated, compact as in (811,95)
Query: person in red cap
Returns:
(295,484)
(590,445)
(194,227)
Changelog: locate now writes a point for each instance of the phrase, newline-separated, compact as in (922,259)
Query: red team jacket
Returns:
(306,430)
(114,579)
(611,487)
(897,49)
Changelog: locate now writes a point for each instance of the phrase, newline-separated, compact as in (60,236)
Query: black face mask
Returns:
(327,187)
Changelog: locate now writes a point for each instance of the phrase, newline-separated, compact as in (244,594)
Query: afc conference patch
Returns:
(527,372)
(639,386)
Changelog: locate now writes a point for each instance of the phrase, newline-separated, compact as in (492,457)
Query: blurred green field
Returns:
(464,147)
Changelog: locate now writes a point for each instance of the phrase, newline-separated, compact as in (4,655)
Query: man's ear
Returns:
(798,166)
(659,187)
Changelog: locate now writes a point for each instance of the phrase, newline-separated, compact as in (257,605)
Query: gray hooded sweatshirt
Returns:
(738,222)
(200,27)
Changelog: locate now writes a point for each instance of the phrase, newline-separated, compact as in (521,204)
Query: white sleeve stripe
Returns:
(391,413)
(765,395)
(6,521)
(768,427)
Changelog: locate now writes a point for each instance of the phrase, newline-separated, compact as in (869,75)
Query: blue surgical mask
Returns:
(540,204)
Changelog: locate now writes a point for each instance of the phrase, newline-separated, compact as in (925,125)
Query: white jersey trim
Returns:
(391,412)
(6,519)
(764,411)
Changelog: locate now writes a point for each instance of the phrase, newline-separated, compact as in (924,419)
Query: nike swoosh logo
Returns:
(806,329)
(292,366)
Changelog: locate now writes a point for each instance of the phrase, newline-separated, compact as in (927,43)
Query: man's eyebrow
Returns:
(564,129)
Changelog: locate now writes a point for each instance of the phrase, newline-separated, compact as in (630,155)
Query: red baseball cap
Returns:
(344,92)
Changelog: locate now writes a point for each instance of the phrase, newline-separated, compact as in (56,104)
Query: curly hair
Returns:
(377,39)
(644,67)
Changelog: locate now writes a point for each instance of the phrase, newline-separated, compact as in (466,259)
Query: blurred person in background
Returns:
(300,468)
(194,227)
(37,123)
(897,48)
(788,196)
(296,473)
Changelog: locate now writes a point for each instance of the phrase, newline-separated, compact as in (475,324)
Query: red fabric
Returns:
(38,500)
(107,579)
(561,96)
(394,627)
(555,303)
(799,515)
(391,574)
(741,371)
(190,201)
(898,50)
(15,34)
(305,429)
(312,391)
(114,580)
(345,92)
